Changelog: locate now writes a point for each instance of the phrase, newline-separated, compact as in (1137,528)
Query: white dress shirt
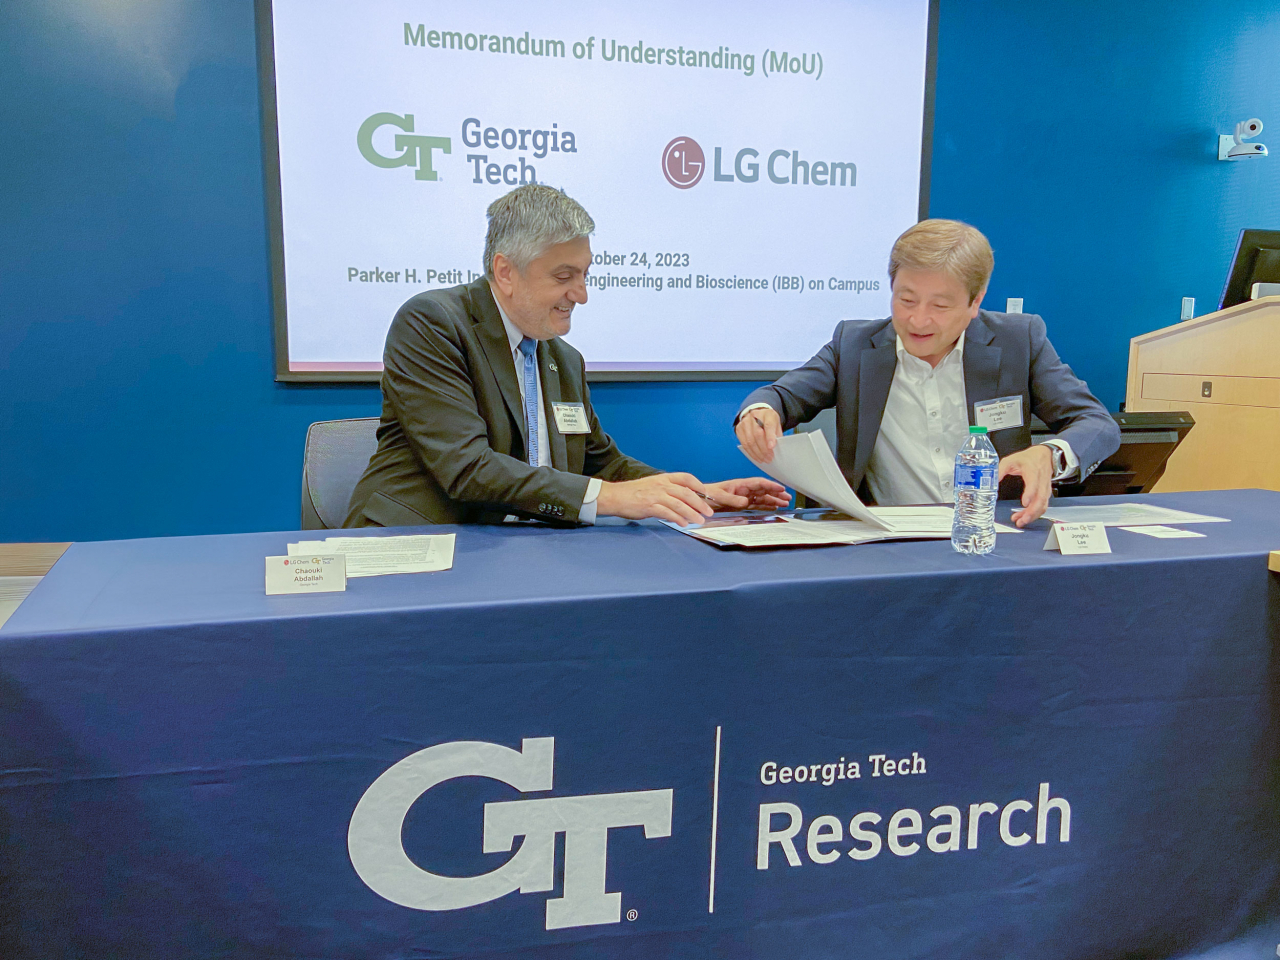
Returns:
(514,335)
(923,428)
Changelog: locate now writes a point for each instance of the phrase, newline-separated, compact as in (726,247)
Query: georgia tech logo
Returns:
(415,150)
(683,162)
(378,855)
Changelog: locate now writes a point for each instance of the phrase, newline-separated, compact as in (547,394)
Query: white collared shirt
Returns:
(514,335)
(923,428)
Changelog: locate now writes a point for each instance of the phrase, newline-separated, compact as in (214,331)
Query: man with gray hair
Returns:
(486,413)
(907,388)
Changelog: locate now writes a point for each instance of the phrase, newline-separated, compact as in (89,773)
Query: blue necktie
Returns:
(529,347)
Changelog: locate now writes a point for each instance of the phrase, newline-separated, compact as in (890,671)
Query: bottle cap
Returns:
(973,430)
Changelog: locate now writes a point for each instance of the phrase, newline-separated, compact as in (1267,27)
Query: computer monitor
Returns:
(1146,441)
(1257,260)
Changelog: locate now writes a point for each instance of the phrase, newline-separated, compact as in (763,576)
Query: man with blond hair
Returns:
(906,389)
(486,415)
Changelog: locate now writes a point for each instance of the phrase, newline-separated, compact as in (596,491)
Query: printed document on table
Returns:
(376,556)
(1127,515)
(779,533)
(784,530)
(1163,533)
(804,462)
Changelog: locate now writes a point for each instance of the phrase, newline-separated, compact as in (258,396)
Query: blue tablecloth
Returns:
(1055,757)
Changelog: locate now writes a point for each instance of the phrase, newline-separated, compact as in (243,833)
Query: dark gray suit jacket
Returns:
(452,442)
(1005,355)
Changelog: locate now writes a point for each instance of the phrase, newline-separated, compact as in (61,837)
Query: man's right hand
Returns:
(758,431)
(666,496)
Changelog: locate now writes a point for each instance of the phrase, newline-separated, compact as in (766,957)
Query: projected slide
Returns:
(748,166)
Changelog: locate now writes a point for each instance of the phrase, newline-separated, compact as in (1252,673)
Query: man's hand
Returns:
(758,431)
(750,493)
(1035,466)
(667,496)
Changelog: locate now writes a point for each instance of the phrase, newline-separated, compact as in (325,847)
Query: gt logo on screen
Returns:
(377,852)
(415,151)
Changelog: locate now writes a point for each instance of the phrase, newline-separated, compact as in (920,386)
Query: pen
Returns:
(713,502)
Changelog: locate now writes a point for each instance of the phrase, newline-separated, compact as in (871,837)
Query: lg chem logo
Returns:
(415,151)
(378,855)
(683,162)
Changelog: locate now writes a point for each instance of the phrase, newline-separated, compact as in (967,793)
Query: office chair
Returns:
(336,454)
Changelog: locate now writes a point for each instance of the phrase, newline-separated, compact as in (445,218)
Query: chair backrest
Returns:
(824,421)
(336,455)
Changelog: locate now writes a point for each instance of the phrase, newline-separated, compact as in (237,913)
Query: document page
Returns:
(1127,515)
(376,556)
(804,462)
(795,533)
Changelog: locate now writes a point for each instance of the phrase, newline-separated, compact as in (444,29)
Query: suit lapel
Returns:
(876,366)
(497,348)
(981,365)
(548,371)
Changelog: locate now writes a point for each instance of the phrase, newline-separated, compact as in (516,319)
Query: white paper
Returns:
(1165,533)
(1075,539)
(804,462)
(378,556)
(783,534)
(1127,515)
(310,572)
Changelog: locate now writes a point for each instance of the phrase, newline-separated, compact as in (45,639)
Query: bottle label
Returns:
(978,477)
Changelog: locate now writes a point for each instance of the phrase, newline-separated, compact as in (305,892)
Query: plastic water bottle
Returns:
(973,529)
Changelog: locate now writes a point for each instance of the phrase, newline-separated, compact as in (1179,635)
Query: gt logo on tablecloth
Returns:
(377,852)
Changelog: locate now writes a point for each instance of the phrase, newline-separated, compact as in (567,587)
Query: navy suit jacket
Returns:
(1005,355)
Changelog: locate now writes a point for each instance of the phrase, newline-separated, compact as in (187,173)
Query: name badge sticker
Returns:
(571,418)
(998,414)
(324,573)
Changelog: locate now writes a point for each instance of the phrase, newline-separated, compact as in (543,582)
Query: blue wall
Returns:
(136,390)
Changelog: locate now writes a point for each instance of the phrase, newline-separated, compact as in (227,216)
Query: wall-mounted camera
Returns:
(1234,147)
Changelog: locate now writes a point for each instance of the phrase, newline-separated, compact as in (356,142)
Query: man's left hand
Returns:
(750,493)
(1035,466)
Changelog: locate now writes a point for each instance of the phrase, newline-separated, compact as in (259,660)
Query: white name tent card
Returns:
(1075,539)
(306,573)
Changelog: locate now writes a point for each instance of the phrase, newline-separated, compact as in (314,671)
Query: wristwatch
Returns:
(1058,458)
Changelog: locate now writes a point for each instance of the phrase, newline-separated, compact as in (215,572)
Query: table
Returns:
(1055,757)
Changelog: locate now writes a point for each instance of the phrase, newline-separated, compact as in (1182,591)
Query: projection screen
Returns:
(747,165)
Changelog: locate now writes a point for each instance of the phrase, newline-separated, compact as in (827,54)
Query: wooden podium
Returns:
(1224,368)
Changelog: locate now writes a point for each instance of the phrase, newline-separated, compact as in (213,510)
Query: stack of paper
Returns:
(783,530)
(375,556)
(804,462)
(1127,515)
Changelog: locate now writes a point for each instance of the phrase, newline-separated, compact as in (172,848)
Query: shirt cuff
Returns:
(1072,466)
(588,512)
(754,406)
